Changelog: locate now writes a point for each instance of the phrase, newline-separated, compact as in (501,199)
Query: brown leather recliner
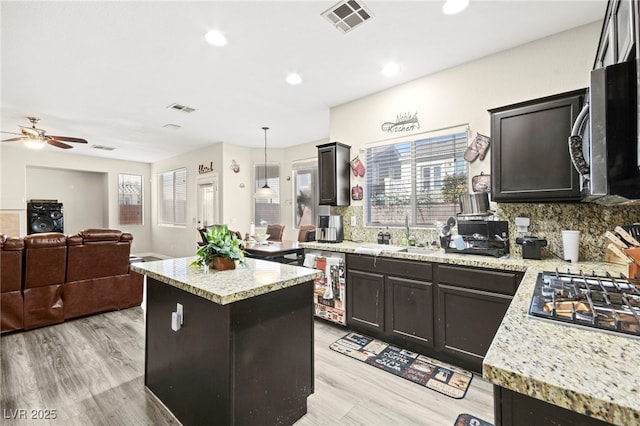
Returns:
(44,272)
(98,276)
(11,298)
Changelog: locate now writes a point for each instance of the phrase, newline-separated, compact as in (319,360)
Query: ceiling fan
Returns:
(38,138)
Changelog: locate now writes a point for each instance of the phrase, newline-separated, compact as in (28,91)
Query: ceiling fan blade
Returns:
(68,139)
(21,138)
(58,144)
(10,133)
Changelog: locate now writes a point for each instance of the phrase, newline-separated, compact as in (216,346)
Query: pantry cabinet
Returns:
(333,174)
(530,159)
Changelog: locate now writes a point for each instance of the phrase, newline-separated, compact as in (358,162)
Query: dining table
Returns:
(275,251)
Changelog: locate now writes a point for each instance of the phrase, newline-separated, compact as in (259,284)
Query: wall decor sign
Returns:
(204,168)
(405,122)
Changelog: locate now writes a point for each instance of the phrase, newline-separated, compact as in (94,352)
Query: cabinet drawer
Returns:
(481,279)
(400,268)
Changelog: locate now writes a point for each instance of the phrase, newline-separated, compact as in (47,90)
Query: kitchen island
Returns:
(242,353)
(569,370)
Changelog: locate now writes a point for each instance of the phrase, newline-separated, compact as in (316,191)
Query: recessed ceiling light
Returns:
(451,7)
(215,38)
(390,69)
(294,78)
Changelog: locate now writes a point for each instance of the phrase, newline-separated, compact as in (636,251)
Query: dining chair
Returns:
(203,235)
(304,234)
(275,232)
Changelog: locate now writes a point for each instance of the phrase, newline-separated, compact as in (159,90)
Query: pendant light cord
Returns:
(265,154)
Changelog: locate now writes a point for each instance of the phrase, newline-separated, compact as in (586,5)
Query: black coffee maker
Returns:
(531,246)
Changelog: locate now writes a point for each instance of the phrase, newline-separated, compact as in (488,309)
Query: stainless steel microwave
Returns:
(604,139)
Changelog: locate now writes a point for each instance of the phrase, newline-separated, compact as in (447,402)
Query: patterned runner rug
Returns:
(469,420)
(428,372)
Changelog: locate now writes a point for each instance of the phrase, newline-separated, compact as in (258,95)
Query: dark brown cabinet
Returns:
(333,174)
(365,300)
(530,159)
(471,303)
(617,39)
(408,308)
(390,299)
(515,409)
(449,312)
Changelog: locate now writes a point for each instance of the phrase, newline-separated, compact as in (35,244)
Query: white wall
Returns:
(462,95)
(456,96)
(83,194)
(24,171)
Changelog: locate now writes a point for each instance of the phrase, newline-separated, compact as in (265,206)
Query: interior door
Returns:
(208,201)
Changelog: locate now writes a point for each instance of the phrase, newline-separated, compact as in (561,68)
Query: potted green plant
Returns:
(222,249)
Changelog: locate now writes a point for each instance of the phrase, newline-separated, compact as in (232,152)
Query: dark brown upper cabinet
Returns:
(618,35)
(333,171)
(530,159)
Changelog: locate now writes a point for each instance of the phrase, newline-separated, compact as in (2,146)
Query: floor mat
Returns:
(469,420)
(428,372)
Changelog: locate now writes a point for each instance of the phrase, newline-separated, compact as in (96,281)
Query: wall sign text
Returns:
(405,122)
(203,168)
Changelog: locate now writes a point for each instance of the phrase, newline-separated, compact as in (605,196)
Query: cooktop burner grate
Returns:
(602,302)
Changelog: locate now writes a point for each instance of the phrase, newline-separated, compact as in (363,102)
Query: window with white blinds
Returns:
(267,210)
(173,197)
(420,179)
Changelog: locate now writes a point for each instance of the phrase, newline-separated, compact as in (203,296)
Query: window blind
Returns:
(419,179)
(173,197)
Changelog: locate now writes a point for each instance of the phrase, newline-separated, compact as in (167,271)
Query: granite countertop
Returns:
(588,371)
(254,278)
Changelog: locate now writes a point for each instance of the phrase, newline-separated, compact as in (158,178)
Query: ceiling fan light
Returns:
(34,144)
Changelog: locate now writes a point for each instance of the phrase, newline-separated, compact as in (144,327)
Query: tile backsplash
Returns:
(547,221)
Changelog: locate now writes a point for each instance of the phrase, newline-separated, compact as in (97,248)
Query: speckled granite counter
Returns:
(254,278)
(587,371)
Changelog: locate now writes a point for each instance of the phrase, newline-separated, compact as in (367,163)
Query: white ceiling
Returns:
(107,71)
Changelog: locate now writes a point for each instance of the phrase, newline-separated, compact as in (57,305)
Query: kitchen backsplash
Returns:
(547,221)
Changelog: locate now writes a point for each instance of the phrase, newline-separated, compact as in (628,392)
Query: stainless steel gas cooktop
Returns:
(602,302)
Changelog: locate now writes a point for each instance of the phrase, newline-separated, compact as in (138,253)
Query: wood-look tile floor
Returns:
(91,372)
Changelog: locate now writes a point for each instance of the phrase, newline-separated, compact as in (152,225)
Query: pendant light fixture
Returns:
(265,191)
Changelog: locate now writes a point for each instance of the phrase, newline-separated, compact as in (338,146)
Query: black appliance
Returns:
(45,217)
(601,302)
(480,237)
(531,246)
(604,139)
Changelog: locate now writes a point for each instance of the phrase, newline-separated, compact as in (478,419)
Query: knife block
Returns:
(634,268)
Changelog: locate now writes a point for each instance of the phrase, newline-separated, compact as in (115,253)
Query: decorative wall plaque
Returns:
(204,168)
(405,122)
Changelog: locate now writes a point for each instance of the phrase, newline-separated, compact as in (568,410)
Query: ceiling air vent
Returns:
(103,147)
(347,14)
(182,108)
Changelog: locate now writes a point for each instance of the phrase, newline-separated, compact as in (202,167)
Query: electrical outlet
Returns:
(354,221)
(180,312)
